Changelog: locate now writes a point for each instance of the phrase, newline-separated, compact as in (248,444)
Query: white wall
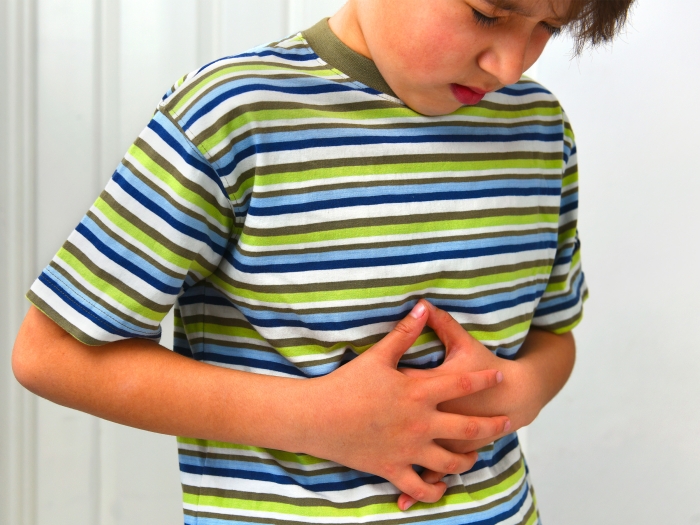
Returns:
(81,77)
(79,80)
(621,443)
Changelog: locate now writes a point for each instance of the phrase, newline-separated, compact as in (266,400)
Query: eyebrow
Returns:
(513,6)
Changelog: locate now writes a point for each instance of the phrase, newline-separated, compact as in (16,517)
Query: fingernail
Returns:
(418,311)
(499,377)
(409,504)
(506,427)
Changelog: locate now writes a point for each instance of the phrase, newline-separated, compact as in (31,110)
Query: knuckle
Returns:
(471,430)
(403,328)
(418,494)
(388,470)
(418,395)
(465,384)
(443,316)
(452,467)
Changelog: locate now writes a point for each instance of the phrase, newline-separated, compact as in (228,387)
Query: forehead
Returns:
(557,10)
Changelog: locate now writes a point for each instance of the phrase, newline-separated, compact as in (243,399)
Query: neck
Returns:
(346,26)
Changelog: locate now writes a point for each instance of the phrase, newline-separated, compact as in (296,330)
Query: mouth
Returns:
(467,96)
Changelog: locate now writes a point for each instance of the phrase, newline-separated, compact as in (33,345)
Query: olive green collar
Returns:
(331,50)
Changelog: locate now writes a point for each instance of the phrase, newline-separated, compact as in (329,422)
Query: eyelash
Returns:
(483,20)
(489,21)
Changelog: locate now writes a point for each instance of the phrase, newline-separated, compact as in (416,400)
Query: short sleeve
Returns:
(162,224)
(561,307)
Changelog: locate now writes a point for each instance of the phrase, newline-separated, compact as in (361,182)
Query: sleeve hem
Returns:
(61,321)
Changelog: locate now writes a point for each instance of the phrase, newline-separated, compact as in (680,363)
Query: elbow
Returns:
(31,356)
(25,366)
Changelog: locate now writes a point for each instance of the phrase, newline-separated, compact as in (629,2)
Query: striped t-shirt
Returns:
(293,210)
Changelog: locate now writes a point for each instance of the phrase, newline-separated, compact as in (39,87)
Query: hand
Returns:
(529,384)
(382,421)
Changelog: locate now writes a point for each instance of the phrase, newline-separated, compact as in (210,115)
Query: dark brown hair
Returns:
(590,22)
(596,22)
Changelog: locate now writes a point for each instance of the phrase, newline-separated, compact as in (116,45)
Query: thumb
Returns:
(404,334)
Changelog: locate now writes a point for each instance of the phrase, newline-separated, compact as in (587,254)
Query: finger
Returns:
(454,426)
(415,488)
(448,329)
(437,459)
(405,501)
(429,476)
(463,446)
(452,386)
(404,334)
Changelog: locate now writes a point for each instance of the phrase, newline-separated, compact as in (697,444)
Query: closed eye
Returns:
(552,30)
(483,20)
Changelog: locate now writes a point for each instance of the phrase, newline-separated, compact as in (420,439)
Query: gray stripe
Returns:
(132,248)
(381,283)
(61,321)
(399,220)
(363,245)
(225,211)
(154,234)
(96,300)
(115,282)
(439,159)
(375,338)
(403,182)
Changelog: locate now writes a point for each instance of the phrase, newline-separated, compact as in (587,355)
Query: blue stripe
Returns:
(95,313)
(568,208)
(126,263)
(400,199)
(207,108)
(251,363)
(391,261)
(282,479)
(354,323)
(168,204)
(521,90)
(447,131)
(562,303)
(300,55)
(167,217)
(184,149)
(427,187)
(301,257)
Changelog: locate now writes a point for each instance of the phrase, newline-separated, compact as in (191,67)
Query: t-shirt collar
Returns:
(334,52)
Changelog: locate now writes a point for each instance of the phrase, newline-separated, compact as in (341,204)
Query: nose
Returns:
(505,58)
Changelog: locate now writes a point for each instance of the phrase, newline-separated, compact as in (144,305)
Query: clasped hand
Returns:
(386,419)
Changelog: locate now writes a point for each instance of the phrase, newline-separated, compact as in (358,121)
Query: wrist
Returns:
(529,393)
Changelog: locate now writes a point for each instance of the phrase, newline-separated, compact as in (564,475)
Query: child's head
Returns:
(438,55)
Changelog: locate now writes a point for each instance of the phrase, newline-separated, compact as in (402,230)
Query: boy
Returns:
(295,202)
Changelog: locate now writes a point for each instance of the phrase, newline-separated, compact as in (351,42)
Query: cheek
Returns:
(535,48)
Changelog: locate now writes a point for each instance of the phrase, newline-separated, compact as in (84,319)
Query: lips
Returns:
(466,95)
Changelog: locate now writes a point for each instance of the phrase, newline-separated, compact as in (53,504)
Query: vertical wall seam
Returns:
(21,240)
(106,120)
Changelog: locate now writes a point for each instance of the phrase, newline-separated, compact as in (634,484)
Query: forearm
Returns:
(140,384)
(547,360)
(540,371)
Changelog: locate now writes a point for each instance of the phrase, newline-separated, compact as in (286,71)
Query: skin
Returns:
(422,47)
(382,420)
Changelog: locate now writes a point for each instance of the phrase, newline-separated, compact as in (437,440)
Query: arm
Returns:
(138,383)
